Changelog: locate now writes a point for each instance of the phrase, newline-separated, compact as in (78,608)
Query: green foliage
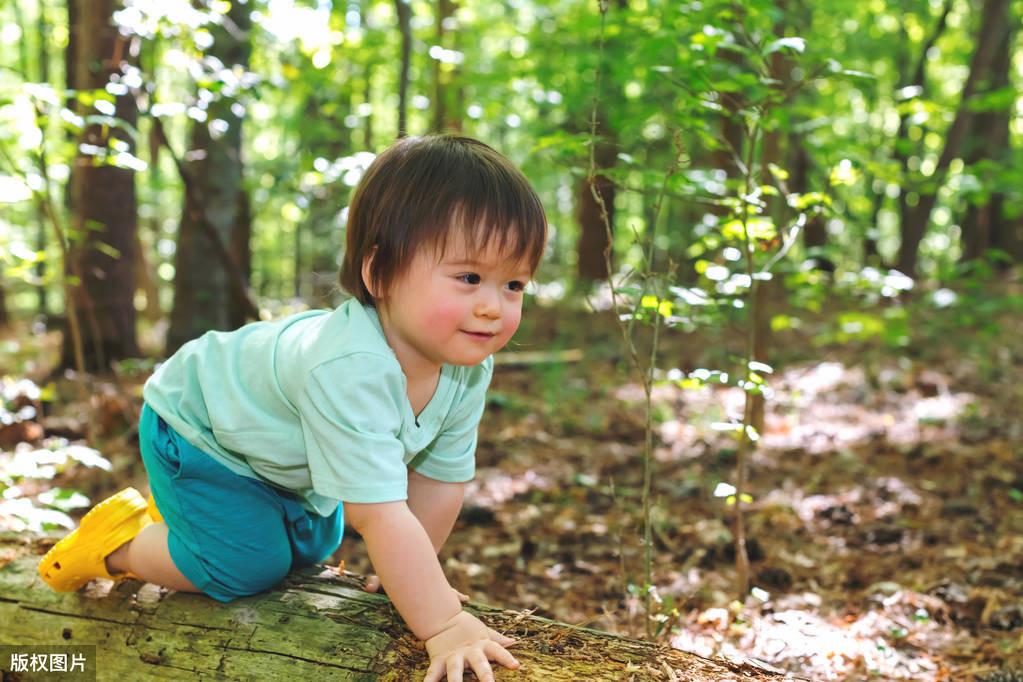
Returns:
(319,92)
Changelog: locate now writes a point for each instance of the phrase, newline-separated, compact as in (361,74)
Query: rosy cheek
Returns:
(444,316)
(510,323)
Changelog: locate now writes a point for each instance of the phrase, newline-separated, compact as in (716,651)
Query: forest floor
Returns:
(885,531)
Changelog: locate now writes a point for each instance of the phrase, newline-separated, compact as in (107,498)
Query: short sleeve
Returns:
(351,419)
(451,457)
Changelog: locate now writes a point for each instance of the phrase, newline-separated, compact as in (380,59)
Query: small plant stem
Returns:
(745,449)
(646,372)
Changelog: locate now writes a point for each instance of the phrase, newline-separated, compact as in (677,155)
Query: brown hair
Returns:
(420,191)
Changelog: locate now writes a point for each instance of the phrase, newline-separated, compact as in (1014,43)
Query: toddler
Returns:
(260,443)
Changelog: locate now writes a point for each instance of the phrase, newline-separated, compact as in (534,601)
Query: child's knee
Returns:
(254,575)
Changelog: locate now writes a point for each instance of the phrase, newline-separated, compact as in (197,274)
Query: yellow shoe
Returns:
(154,513)
(79,557)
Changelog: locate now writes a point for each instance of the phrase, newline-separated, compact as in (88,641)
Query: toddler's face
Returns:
(455,310)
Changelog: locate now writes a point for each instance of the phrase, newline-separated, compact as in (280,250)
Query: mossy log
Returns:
(315,625)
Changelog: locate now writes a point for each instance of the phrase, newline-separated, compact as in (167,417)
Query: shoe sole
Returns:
(107,526)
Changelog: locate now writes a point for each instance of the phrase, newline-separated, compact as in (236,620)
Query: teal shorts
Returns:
(230,535)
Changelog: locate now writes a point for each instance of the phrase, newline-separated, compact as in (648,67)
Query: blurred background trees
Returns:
(177,167)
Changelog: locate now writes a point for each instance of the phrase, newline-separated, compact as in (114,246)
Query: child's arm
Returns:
(436,504)
(404,557)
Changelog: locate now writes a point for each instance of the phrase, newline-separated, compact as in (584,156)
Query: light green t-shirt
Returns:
(317,404)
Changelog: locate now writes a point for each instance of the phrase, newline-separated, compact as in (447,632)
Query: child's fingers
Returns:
(477,659)
(455,668)
(435,673)
(464,598)
(503,640)
(496,652)
(372,583)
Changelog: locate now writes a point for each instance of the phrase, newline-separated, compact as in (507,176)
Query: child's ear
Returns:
(367,273)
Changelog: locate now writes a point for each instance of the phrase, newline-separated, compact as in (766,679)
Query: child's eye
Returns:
(468,278)
(516,285)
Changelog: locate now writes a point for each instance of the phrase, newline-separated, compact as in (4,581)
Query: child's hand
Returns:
(373,585)
(465,639)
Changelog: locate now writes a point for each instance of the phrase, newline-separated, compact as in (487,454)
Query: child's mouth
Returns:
(479,335)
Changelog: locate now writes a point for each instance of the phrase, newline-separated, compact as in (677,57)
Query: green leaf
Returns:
(108,250)
(758,227)
(64,499)
(778,172)
(801,202)
(794,43)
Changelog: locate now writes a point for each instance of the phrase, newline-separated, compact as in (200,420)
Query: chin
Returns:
(469,360)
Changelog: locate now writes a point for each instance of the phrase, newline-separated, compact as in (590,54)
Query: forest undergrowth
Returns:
(885,534)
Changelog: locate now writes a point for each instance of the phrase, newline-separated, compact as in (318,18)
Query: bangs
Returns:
(483,228)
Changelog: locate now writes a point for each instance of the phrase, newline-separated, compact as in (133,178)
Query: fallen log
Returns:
(317,624)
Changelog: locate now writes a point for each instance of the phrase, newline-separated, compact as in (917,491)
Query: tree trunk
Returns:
(405,27)
(145,282)
(241,237)
(4,317)
(203,300)
(448,95)
(984,226)
(815,235)
(902,146)
(593,237)
(995,23)
(593,234)
(315,624)
(103,200)
(43,61)
(367,127)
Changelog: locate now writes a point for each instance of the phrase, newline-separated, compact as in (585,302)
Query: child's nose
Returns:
(488,305)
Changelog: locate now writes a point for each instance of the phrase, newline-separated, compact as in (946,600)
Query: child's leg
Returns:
(224,534)
(148,557)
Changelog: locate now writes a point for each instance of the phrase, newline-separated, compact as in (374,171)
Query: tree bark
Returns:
(984,226)
(203,298)
(593,234)
(42,76)
(145,282)
(367,127)
(902,146)
(103,200)
(815,235)
(4,317)
(405,27)
(995,23)
(448,94)
(315,624)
